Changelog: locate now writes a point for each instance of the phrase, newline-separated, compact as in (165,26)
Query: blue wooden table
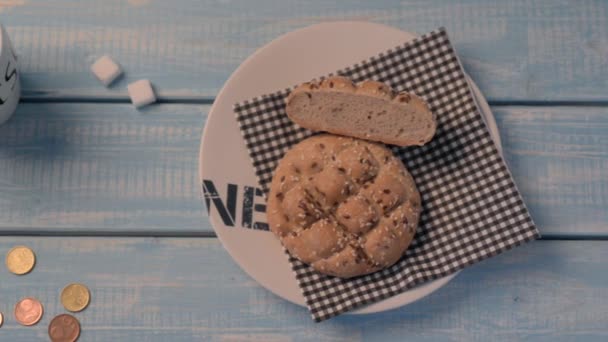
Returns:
(109,196)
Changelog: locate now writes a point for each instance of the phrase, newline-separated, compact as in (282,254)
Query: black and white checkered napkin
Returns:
(472,209)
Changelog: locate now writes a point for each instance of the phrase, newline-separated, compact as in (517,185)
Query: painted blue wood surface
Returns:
(106,168)
(162,289)
(559,157)
(111,168)
(515,50)
(76,168)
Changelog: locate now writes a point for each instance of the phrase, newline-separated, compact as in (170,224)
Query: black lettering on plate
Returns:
(247,218)
(260,208)
(10,75)
(227,211)
(227,208)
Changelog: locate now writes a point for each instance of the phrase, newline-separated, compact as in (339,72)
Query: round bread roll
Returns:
(346,206)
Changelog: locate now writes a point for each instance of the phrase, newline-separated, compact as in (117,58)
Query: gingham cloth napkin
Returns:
(472,209)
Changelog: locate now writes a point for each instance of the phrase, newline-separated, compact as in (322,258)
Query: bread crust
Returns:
(346,206)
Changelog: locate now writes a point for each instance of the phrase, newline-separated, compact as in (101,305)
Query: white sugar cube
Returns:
(106,70)
(141,93)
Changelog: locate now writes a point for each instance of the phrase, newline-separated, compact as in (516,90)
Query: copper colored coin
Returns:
(64,328)
(28,311)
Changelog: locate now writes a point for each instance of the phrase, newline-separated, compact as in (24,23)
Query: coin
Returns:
(75,297)
(28,311)
(1,319)
(64,328)
(20,260)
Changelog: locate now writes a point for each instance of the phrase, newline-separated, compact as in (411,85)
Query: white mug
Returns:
(10,88)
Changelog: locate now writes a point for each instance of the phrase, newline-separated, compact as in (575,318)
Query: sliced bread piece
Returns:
(368,110)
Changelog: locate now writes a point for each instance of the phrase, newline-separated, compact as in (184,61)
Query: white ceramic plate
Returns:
(290,59)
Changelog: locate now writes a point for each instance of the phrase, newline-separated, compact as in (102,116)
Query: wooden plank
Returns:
(559,157)
(159,289)
(90,167)
(106,168)
(515,50)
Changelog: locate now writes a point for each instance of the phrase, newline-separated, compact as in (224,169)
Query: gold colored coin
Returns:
(1,319)
(75,297)
(20,260)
